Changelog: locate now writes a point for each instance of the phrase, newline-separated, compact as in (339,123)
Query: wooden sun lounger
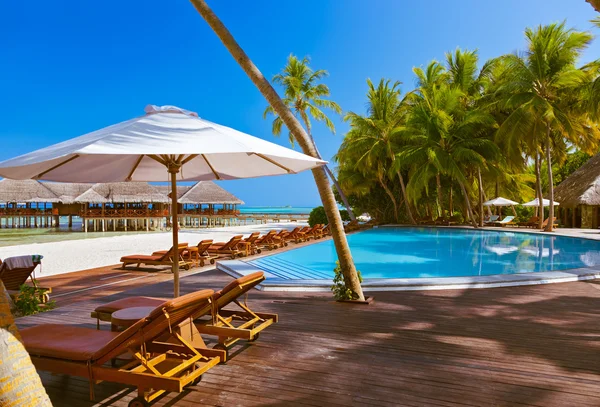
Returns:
(157,258)
(280,237)
(554,224)
(157,366)
(293,235)
(14,278)
(251,241)
(267,241)
(229,248)
(199,254)
(531,223)
(228,325)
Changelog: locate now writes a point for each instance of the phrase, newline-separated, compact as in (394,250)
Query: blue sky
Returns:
(71,67)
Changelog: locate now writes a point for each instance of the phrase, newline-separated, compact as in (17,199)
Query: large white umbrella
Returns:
(166,142)
(500,202)
(536,202)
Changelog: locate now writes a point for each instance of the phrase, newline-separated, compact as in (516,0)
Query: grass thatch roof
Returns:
(25,191)
(122,192)
(208,192)
(582,187)
(204,192)
(67,192)
(166,189)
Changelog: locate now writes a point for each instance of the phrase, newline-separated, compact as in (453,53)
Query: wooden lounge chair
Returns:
(508,220)
(326,231)
(158,366)
(280,237)
(13,277)
(251,241)
(200,254)
(545,223)
(157,258)
(267,241)
(530,223)
(228,325)
(491,220)
(316,232)
(293,235)
(229,248)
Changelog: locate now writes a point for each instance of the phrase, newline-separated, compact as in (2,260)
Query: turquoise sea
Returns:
(276,209)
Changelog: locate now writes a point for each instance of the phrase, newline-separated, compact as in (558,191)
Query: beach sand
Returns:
(74,255)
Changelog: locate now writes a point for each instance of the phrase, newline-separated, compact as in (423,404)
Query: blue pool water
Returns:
(443,252)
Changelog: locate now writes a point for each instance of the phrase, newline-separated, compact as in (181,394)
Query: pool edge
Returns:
(238,268)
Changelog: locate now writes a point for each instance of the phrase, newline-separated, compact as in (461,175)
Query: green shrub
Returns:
(339,289)
(318,216)
(29,301)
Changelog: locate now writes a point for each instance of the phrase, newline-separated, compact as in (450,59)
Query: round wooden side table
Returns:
(126,317)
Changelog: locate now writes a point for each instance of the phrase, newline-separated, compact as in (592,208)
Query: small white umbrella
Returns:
(165,142)
(536,202)
(502,202)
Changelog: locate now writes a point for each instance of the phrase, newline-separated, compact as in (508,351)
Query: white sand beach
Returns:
(74,255)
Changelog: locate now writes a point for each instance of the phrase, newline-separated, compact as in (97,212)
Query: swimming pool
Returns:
(400,253)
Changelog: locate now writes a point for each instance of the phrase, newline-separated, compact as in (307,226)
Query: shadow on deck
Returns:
(534,345)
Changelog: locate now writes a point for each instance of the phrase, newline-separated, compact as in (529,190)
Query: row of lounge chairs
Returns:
(238,246)
(533,222)
(161,352)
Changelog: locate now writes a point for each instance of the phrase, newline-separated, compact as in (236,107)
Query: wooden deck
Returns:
(519,346)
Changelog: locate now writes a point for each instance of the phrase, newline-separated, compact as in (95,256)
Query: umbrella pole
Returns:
(175,225)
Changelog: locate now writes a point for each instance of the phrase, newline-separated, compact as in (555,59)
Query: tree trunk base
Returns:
(367,301)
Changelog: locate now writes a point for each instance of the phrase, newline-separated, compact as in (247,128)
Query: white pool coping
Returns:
(238,268)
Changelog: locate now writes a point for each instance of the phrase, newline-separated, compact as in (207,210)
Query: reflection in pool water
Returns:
(438,252)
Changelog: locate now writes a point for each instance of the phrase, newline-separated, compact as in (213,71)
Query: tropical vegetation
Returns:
(470,131)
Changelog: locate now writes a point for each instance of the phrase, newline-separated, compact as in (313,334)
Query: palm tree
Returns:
(444,137)
(377,137)
(300,135)
(21,385)
(539,89)
(305,97)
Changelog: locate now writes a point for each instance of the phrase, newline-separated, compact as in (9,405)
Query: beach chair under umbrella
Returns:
(166,143)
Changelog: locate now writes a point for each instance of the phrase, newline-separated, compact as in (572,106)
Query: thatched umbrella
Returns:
(166,141)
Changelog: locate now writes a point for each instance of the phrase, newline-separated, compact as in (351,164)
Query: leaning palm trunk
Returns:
(405,197)
(329,172)
(480,197)
(538,190)
(392,198)
(468,204)
(341,192)
(439,194)
(20,384)
(550,224)
(263,85)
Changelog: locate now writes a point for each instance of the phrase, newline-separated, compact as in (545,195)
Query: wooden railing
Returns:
(27,212)
(123,213)
(210,212)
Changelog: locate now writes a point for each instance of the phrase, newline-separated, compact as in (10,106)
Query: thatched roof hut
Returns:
(122,192)
(25,191)
(582,187)
(67,192)
(207,192)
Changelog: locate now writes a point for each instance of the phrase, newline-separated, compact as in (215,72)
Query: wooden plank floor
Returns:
(518,346)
